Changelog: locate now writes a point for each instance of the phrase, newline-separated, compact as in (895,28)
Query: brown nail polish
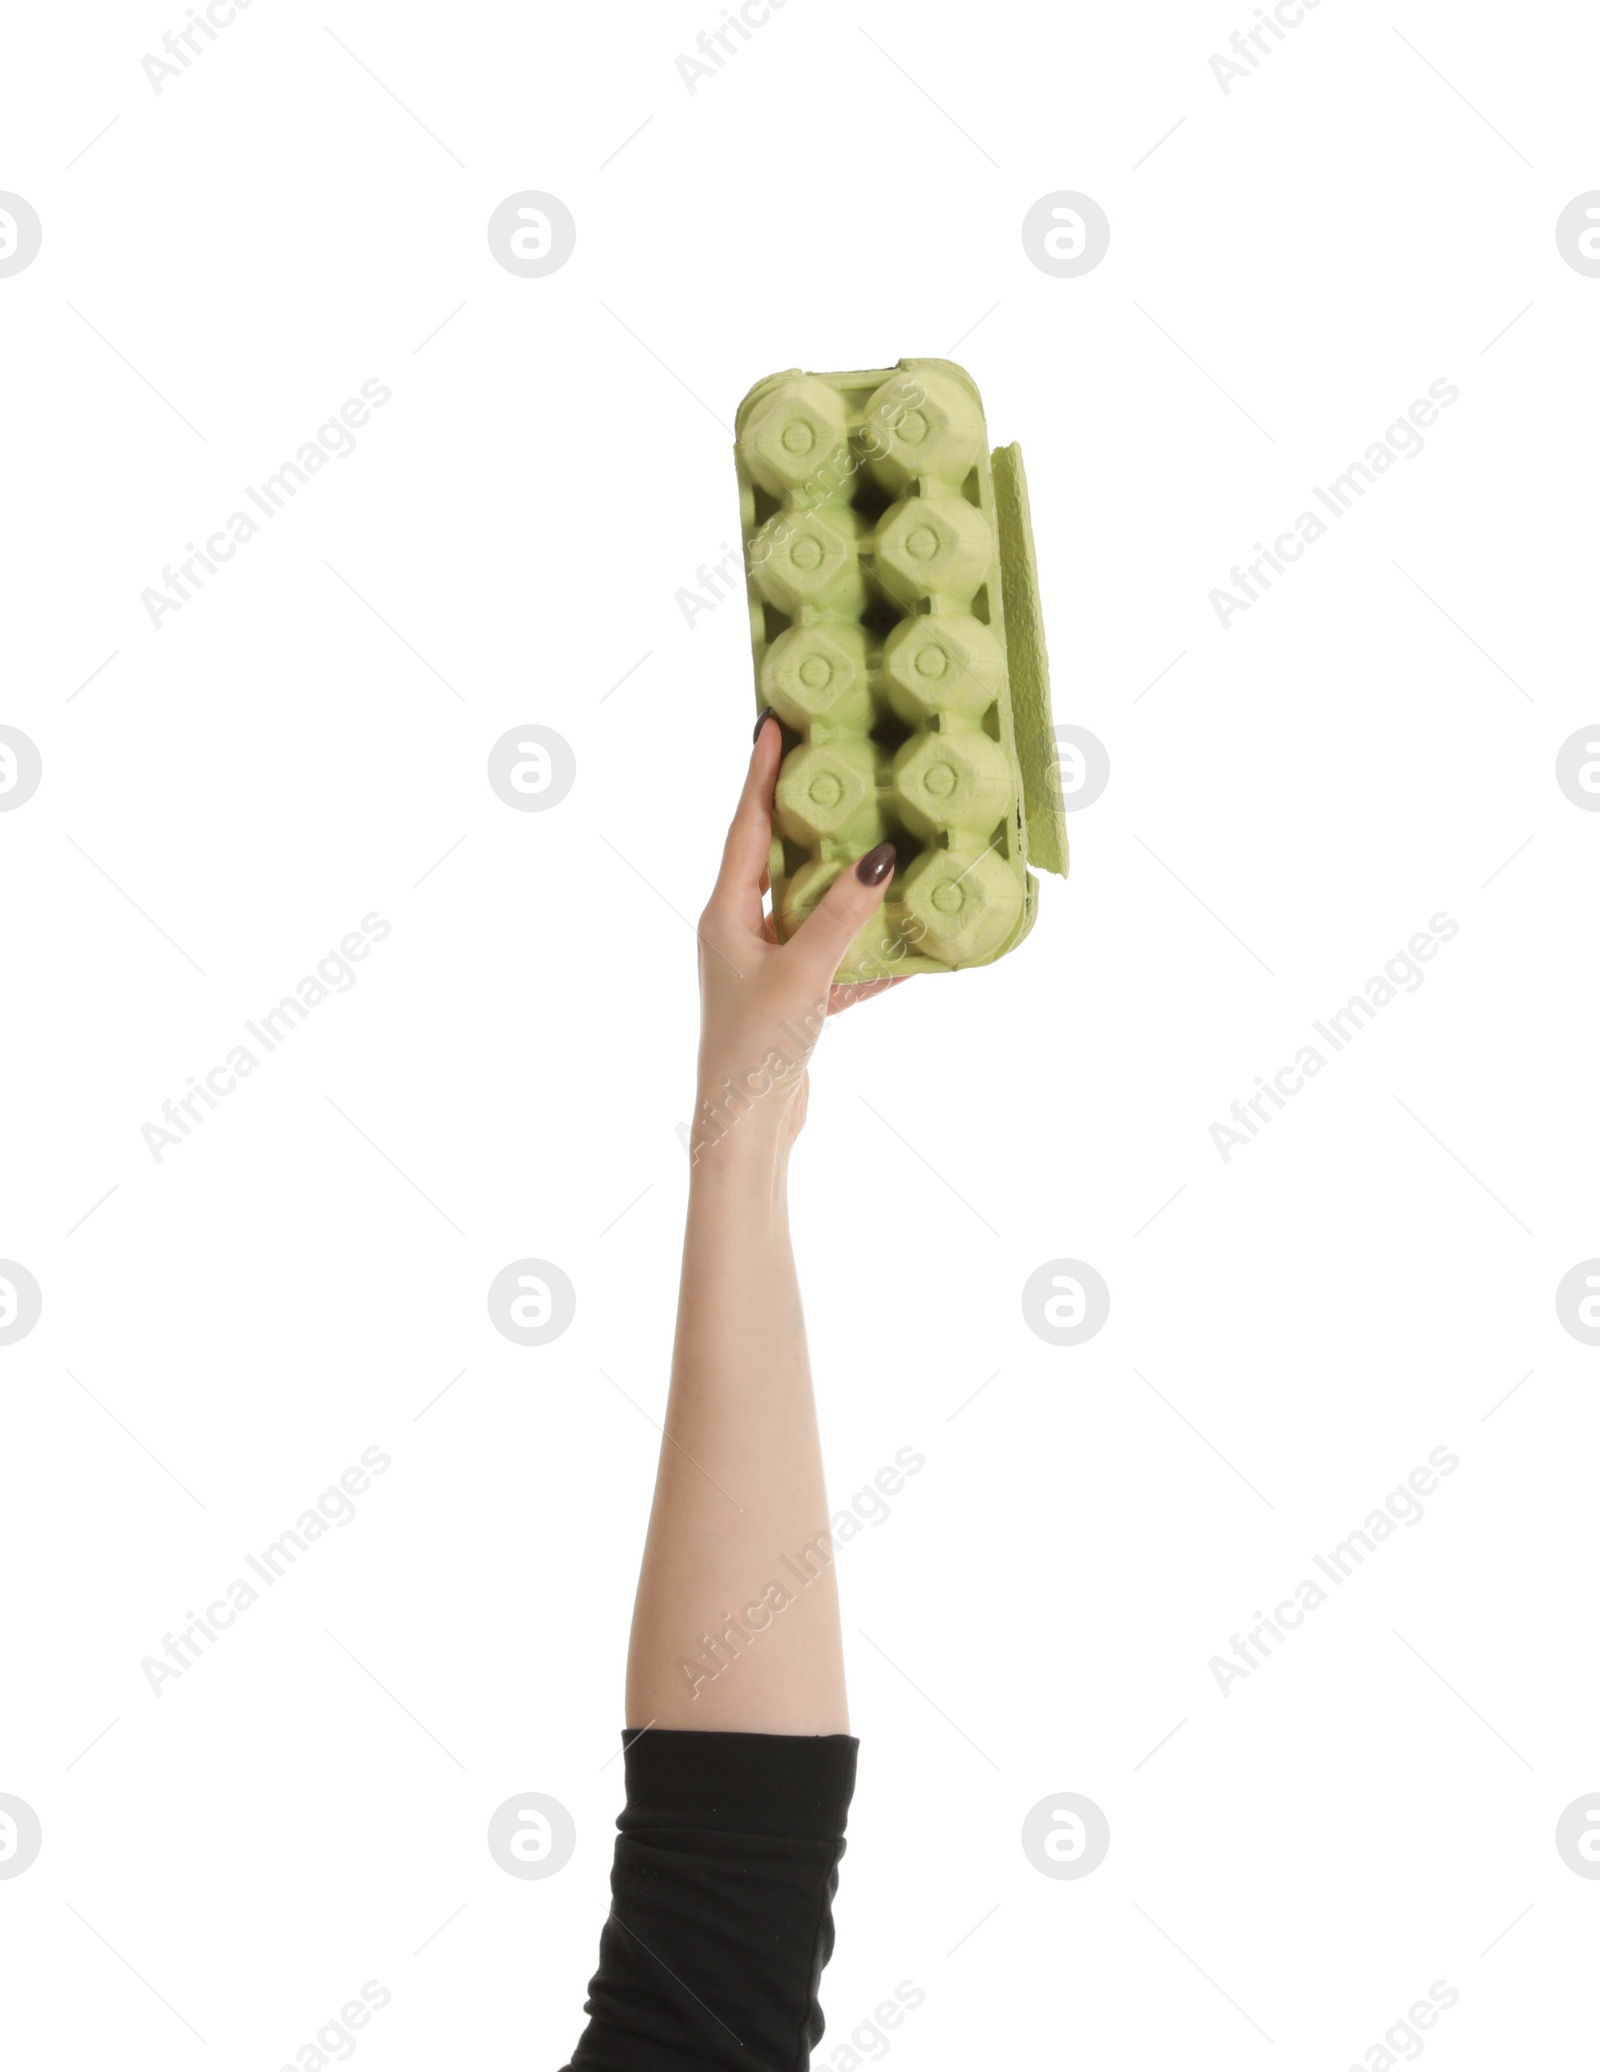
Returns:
(766,714)
(876,865)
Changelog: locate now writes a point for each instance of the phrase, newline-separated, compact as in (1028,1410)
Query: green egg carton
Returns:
(894,617)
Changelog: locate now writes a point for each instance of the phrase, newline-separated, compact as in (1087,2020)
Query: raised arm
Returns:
(739,1763)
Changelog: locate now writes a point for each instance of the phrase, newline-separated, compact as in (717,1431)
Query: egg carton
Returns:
(894,617)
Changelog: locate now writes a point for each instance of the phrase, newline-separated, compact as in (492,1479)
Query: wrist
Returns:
(737,1132)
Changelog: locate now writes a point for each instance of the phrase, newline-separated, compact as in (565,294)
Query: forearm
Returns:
(736,1625)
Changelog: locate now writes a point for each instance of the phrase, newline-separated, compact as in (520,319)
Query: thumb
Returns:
(850,901)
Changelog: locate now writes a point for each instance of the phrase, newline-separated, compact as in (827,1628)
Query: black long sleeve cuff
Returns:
(722,1886)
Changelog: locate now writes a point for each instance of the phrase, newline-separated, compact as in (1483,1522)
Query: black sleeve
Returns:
(726,1864)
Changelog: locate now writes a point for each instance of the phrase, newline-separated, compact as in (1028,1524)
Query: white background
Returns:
(1298,794)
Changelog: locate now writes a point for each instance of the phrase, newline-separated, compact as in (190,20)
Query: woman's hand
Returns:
(762,1003)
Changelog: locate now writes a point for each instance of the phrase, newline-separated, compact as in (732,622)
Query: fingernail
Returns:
(876,865)
(766,714)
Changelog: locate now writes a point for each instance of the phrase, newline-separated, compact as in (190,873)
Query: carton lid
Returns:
(1028,667)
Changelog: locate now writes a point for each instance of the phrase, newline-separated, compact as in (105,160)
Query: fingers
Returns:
(849,903)
(745,853)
